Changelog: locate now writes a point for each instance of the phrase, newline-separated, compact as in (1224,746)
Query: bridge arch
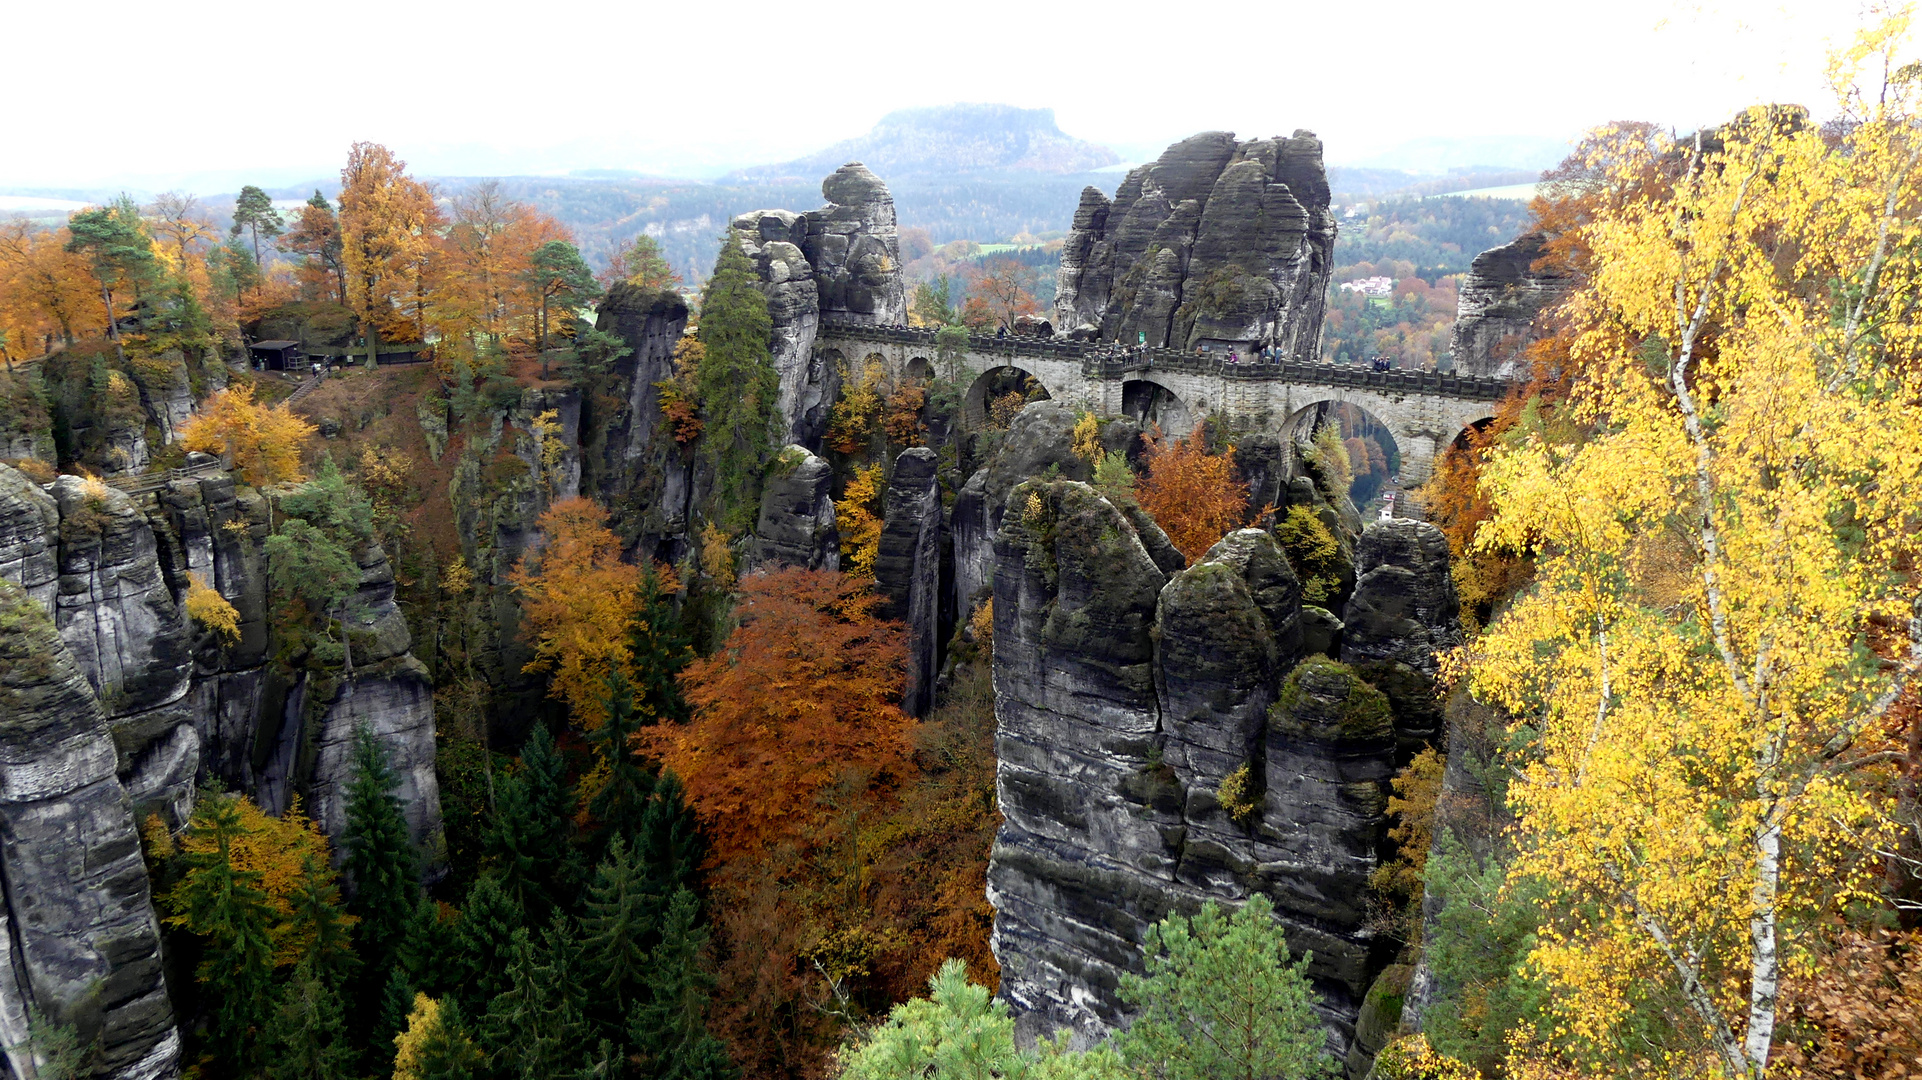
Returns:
(919,369)
(998,384)
(1153,403)
(1371,444)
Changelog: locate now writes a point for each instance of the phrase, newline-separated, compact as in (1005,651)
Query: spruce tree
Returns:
(307,1039)
(447,1051)
(669,1030)
(227,906)
(382,864)
(669,840)
(662,648)
(319,923)
(396,1002)
(483,940)
(620,923)
(534,1029)
(621,802)
(737,385)
(527,842)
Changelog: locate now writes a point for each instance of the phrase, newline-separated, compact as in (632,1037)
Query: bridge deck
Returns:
(1105,362)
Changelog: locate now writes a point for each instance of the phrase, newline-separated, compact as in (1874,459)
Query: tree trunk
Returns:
(113,324)
(373,347)
(1765,966)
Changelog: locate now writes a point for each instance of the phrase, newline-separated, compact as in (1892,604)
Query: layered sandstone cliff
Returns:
(1162,741)
(119,706)
(1217,243)
(842,262)
(1501,298)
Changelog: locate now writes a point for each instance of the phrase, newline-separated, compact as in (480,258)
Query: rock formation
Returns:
(1162,741)
(1402,616)
(1500,298)
(1092,825)
(944,140)
(1217,243)
(842,261)
(79,943)
(641,471)
(796,524)
(145,705)
(1039,440)
(908,569)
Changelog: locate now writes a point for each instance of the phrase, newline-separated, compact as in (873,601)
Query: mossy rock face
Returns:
(1325,699)
(1380,1016)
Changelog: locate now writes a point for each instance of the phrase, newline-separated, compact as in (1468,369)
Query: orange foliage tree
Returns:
(580,605)
(804,696)
(45,290)
(388,224)
(262,441)
(1005,287)
(1193,495)
(797,753)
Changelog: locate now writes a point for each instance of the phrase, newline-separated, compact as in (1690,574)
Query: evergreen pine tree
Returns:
(307,1039)
(527,842)
(483,940)
(620,923)
(320,925)
(227,906)
(534,1029)
(669,840)
(669,1030)
(383,865)
(737,385)
(447,1052)
(662,648)
(621,802)
(396,1002)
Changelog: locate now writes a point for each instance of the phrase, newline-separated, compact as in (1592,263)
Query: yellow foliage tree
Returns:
(288,852)
(579,605)
(859,525)
(388,229)
(263,442)
(1725,609)
(211,610)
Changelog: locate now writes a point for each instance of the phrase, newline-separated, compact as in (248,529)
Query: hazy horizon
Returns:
(695,94)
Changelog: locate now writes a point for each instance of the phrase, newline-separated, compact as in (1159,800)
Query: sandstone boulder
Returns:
(796,523)
(1218,242)
(1501,296)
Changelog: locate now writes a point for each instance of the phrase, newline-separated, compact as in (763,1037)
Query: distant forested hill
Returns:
(1437,236)
(688,217)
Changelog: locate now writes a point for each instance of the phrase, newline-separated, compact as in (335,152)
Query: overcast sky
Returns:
(157,95)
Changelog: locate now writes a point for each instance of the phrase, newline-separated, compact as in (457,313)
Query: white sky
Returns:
(153,95)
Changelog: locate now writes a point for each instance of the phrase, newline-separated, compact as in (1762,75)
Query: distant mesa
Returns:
(948,139)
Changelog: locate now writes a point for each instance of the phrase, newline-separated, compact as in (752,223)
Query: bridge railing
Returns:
(1108,361)
(142,483)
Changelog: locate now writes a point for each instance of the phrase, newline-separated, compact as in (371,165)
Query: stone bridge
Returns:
(1424,411)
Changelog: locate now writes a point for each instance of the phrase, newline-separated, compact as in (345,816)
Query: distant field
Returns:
(1519,192)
